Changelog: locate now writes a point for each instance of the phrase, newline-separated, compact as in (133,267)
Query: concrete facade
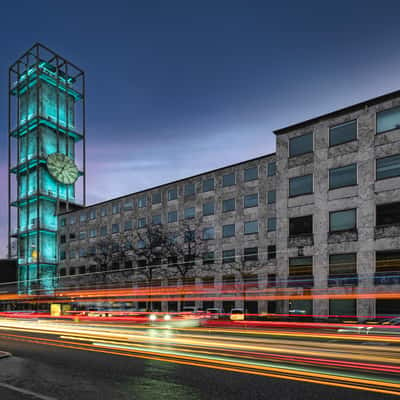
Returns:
(363,240)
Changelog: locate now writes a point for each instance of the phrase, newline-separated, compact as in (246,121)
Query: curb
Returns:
(4,354)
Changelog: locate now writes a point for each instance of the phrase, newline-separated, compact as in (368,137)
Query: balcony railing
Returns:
(300,281)
(343,280)
(387,278)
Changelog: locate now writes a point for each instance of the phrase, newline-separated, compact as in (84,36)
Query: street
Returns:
(59,361)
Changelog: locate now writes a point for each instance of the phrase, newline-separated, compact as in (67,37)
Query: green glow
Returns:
(46,121)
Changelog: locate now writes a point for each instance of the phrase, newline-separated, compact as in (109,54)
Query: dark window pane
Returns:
(208,185)
(271,197)
(208,257)
(172,216)
(388,167)
(250,174)
(172,194)
(300,266)
(301,225)
(300,185)
(301,145)
(388,120)
(342,264)
(388,261)
(228,256)
(208,233)
(250,254)
(189,189)
(251,200)
(156,198)
(228,205)
(271,224)
(208,208)
(228,230)
(343,176)
(271,169)
(343,133)
(156,220)
(271,252)
(189,212)
(250,227)
(228,179)
(388,214)
(342,220)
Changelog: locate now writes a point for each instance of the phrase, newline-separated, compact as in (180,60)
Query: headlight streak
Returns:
(236,353)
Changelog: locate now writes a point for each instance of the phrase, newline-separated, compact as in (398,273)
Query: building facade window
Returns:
(172,194)
(208,233)
(301,226)
(250,254)
(208,185)
(116,208)
(142,202)
(92,214)
(342,269)
(115,228)
(189,189)
(250,174)
(271,224)
(250,227)
(228,256)
(343,133)
(228,230)
(208,257)
(271,168)
(189,212)
(250,200)
(141,222)
(343,220)
(228,205)
(343,176)
(92,233)
(128,225)
(388,214)
(103,211)
(156,198)
(301,185)
(82,236)
(388,167)
(300,268)
(72,219)
(62,221)
(271,252)
(388,120)
(172,216)
(156,219)
(128,205)
(229,179)
(82,217)
(208,208)
(140,244)
(62,255)
(271,197)
(189,236)
(301,145)
(82,252)
(103,230)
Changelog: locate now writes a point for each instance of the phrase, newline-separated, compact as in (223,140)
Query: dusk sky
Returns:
(176,88)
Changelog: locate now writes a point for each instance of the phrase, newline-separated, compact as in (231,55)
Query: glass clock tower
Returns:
(46,160)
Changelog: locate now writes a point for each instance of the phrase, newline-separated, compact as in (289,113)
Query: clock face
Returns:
(62,168)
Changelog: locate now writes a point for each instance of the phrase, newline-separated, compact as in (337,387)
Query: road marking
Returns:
(28,392)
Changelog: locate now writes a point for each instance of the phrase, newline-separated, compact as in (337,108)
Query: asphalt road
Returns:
(49,372)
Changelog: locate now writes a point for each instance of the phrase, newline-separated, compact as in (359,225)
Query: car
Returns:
(386,327)
(177,320)
(214,313)
(237,314)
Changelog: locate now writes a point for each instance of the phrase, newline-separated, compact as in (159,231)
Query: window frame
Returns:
(248,222)
(339,125)
(234,204)
(343,230)
(249,195)
(296,137)
(224,236)
(376,120)
(234,179)
(376,167)
(245,170)
(342,186)
(305,193)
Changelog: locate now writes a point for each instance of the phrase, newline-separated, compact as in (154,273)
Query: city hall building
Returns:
(320,216)
(322,213)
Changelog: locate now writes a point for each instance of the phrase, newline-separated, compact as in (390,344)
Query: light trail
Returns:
(296,357)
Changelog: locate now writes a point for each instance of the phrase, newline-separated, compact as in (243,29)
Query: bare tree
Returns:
(183,252)
(150,251)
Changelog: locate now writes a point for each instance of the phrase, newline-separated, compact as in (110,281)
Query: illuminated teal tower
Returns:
(46,160)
